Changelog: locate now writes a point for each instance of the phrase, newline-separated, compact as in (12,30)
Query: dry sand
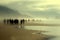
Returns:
(8,32)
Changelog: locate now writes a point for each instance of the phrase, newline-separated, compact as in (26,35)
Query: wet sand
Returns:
(8,32)
(40,24)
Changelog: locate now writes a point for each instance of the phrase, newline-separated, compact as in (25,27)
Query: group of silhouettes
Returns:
(13,21)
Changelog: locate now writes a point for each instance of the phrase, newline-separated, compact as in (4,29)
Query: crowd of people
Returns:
(15,22)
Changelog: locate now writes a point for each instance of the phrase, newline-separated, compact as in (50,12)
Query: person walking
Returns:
(22,22)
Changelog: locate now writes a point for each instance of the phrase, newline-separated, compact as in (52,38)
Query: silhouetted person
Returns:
(8,21)
(4,21)
(16,21)
(11,21)
(22,22)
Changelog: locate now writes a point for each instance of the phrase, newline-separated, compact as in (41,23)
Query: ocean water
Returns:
(52,30)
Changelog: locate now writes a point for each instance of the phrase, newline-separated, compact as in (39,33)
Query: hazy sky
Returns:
(35,8)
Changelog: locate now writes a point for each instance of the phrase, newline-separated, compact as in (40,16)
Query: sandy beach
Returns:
(8,32)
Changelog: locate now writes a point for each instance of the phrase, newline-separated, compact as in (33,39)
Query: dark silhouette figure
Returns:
(22,22)
(11,21)
(16,21)
(4,21)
